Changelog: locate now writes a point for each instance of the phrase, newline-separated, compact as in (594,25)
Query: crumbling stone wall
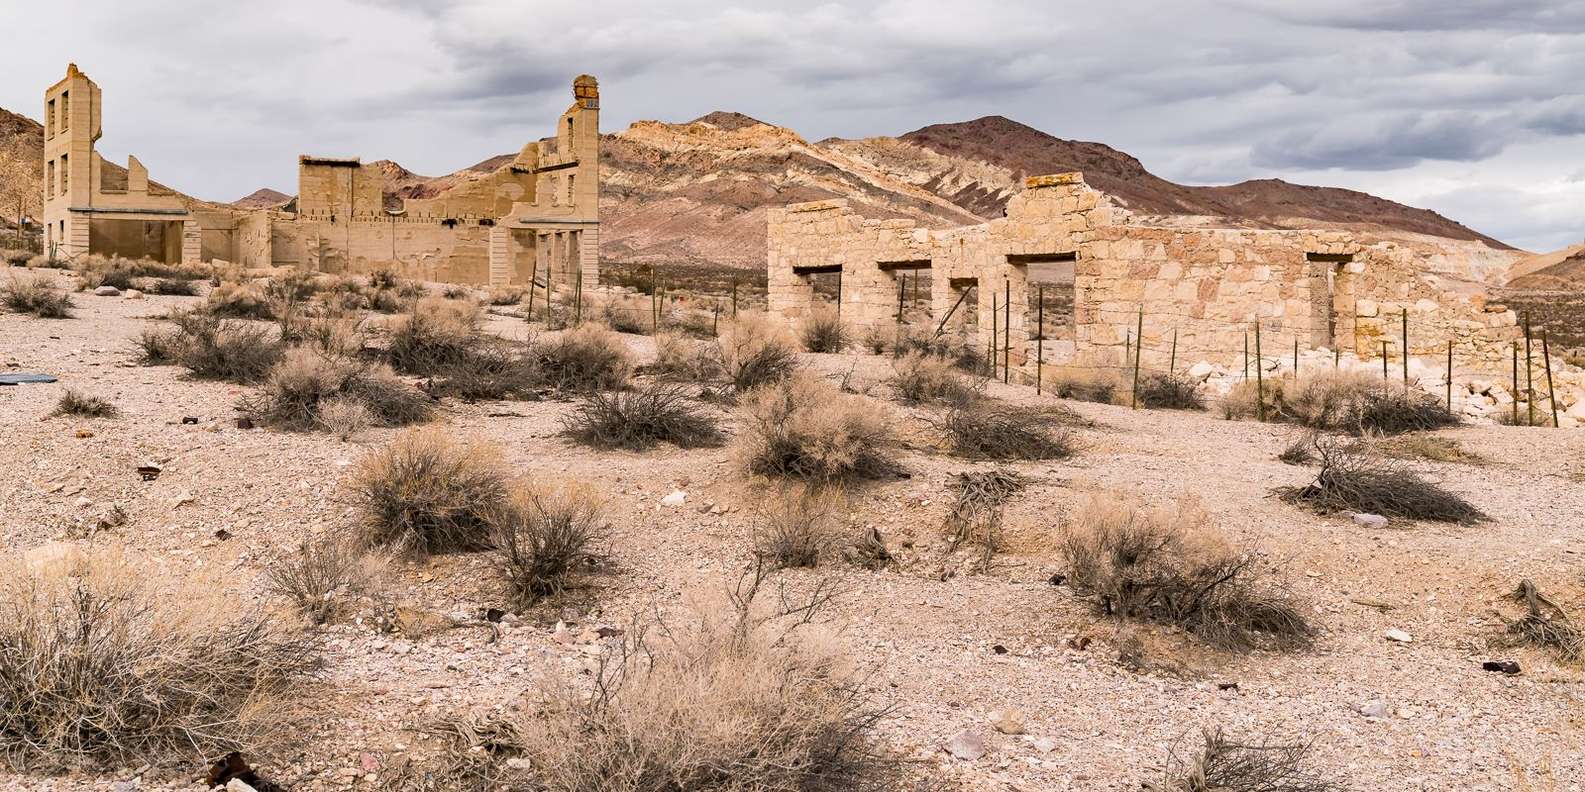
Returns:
(1207,288)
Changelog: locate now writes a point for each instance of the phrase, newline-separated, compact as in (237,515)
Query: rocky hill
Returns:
(697,192)
(21,166)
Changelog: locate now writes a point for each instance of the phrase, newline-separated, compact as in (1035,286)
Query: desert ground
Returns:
(942,645)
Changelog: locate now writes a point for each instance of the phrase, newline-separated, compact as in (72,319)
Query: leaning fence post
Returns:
(1040,334)
(1260,383)
(533,275)
(1172,362)
(1406,347)
(1551,395)
(1139,346)
(654,307)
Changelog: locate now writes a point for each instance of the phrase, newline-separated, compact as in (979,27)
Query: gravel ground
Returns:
(947,647)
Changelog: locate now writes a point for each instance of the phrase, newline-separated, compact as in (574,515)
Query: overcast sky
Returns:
(1473,108)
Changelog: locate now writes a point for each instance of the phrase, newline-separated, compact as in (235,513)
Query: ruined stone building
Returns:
(534,215)
(1200,291)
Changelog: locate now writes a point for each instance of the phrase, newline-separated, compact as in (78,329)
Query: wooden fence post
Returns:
(1296,358)
(734,298)
(533,277)
(1450,375)
(1040,334)
(1007,332)
(1260,384)
(1139,347)
(1529,375)
(1406,347)
(1515,390)
(1172,362)
(1551,395)
(1246,354)
(1384,362)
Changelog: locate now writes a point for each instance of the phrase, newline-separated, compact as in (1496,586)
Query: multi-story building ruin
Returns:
(538,213)
(1194,290)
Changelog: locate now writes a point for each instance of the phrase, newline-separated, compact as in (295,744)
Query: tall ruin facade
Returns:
(536,216)
(1194,292)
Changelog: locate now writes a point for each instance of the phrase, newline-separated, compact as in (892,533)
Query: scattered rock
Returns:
(1374,709)
(966,745)
(1503,666)
(1008,721)
(676,498)
(189,419)
(1397,636)
(1043,744)
(149,472)
(238,785)
(1370,521)
(133,294)
(107,291)
(84,434)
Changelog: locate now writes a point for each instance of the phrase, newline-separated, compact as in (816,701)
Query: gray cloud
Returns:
(1344,92)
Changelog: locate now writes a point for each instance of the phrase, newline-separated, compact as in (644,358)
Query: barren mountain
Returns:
(697,192)
(1561,269)
(263,198)
(21,166)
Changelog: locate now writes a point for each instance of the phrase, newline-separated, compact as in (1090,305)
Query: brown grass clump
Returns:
(1167,564)
(1342,401)
(1242,402)
(804,427)
(36,296)
(918,377)
(322,576)
(239,301)
(159,348)
(1426,446)
(426,492)
(1546,624)
(109,660)
(309,390)
(15,257)
(1299,452)
(797,528)
(584,359)
(1170,391)
(1223,765)
(1352,479)
(638,419)
(224,349)
(755,696)
(543,538)
(506,295)
(1008,432)
(755,352)
(83,405)
(976,516)
(623,313)
(823,331)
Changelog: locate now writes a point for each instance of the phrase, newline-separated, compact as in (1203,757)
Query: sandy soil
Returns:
(948,647)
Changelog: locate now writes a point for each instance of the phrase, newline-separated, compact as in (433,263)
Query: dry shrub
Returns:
(976,516)
(1167,564)
(428,492)
(1170,391)
(917,377)
(1243,400)
(159,348)
(638,419)
(823,331)
(1352,479)
(433,336)
(682,358)
(584,359)
(239,301)
(623,313)
(1223,765)
(1089,383)
(308,390)
(543,538)
(105,659)
(1007,432)
(755,352)
(507,295)
(877,338)
(334,333)
(80,404)
(15,257)
(756,697)
(1545,624)
(868,550)
(456,292)
(322,576)
(36,296)
(964,355)
(804,427)
(1425,446)
(225,349)
(1343,401)
(1298,452)
(797,528)
(173,287)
